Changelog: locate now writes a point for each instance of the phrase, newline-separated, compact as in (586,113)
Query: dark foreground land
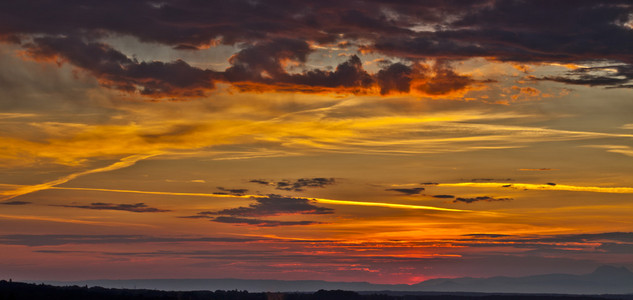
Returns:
(27,291)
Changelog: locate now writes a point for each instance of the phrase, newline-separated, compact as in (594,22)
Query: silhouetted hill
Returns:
(604,280)
(26,291)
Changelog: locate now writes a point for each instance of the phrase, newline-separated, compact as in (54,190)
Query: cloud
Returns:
(607,242)
(524,31)
(271,205)
(261,181)
(275,205)
(275,37)
(297,185)
(260,222)
(138,207)
(548,186)
(411,191)
(480,198)
(15,203)
(613,76)
(259,67)
(489,179)
(486,235)
(63,239)
(237,192)
(444,196)
(115,70)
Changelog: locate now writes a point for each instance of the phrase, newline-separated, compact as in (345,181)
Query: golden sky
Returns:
(360,141)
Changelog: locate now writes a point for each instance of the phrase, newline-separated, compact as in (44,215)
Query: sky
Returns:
(378,141)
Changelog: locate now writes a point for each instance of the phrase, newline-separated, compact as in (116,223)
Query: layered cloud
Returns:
(261,222)
(64,239)
(275,205)
(274,36)
(411,191)
(137,207)
(478,199)
(271,205)
(297,185)
(15,203)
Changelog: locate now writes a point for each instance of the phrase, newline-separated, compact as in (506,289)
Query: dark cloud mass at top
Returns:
(272,34)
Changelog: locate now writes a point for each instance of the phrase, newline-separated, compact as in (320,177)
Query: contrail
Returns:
(550,187)
(27,189)
(318,200)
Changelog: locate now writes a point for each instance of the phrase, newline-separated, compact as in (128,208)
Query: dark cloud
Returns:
(261,181)
(411,191)
(115,70)
(201,215)
(297,185)
(486,235)
(272,34)
(259,67)
(274,205)
(237,192)
(15,203)
(438,79)
(616,248)
(443,80)
(138,207)
(480,198)
(606,236)
(61,239)
(271,205)
(608,242)
(528,31)
(481,179)
(444,196)
(489,179)
(396,77)
(613,76)
(264,61)
(260,222)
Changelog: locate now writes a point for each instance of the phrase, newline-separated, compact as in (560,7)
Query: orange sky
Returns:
(289,155)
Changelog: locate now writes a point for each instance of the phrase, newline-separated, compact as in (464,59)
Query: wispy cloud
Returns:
(297,185)
(479,198)
(63,239)
(620,149)
(138,207)
(260,222)
(15,203)
(274,205)
(23,190)
(411,191)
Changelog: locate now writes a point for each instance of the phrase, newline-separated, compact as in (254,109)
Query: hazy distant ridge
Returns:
(604,280)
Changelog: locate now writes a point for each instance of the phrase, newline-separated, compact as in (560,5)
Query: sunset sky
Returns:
(379,141)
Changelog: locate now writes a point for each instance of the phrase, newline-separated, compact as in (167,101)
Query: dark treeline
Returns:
(26,291)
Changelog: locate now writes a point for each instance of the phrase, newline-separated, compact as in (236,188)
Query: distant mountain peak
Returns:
(612,271)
